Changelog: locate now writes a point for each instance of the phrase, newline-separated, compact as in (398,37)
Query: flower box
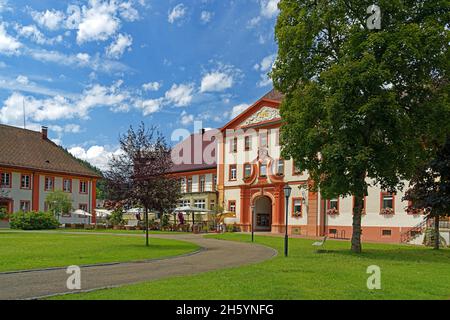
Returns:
(332,212)
(387,211)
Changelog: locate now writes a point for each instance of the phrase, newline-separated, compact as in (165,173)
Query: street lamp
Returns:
(287,193)
(253,223)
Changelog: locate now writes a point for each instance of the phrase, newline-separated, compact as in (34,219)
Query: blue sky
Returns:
(90,69)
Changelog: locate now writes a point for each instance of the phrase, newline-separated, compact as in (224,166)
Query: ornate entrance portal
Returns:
(263,214)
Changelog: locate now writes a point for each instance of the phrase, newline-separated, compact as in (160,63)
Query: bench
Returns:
(320,244)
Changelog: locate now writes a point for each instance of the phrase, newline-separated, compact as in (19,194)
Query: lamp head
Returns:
(287,190)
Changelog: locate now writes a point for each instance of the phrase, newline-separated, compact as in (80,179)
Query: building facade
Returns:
(251,177)
(32,166)
(197,175)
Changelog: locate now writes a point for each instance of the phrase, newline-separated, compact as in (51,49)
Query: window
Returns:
(333,206)
(387,203)
(83,207)
(297,171)
(234,145)
(263,139)
(212,204)
(200,204)
(297,207)
(189,185)
(248,143)
(25,181)
(263,170)
(232,206)
(5,180)
(83,187)
(280,167)
(214,182)
(49,183)
(67,185)
(386,233)
(202,183)
(25,206)
(247,170)
(184,203)
(183,185)
(233,172)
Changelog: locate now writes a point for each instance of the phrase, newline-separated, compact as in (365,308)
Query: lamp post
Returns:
(253,223)
(287,193)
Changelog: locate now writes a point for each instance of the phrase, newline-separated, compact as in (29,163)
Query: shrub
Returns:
(3,214)
(33,221)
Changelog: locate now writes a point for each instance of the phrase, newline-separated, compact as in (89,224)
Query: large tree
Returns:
(361,106)
(429,190)
(140,174)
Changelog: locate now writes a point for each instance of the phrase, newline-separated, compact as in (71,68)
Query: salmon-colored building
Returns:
(32,166)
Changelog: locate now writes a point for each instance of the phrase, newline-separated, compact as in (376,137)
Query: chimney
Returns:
(44,132)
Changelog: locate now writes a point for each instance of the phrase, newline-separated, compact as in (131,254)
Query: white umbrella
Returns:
(103,212)
(192,209)
(135,211)
(83,213)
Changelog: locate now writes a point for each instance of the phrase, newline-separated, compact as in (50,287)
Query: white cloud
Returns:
(253,22)
(269,8)
(4,6)
(83,57)
(180,95)
(50,19)
(34,34)
(186,119)
(237,110)
(216,82)
(98,156)
(206,16)
(149,106)
(118,47)
(22,79)
(60,107)
(177,13)
(151,86)
(97,63)
(8,44)
(265,66)
(127,11)
(98,22)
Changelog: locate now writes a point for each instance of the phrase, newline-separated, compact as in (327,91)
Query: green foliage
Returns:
(58,203)
(367,101)
(430,187)
(3,213)
(33,221)
(165,220)
(116,217)
(359,103)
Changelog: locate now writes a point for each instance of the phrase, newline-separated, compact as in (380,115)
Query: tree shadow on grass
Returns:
(406,254)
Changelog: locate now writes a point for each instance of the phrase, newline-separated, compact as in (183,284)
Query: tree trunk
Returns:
(437,234)
(146,225)
(356,235)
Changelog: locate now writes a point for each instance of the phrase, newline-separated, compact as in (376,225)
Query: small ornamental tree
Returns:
(362,106)
(58,203)
(140,174)
(429,191)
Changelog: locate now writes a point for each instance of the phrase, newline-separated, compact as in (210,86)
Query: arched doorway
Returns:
(263,214)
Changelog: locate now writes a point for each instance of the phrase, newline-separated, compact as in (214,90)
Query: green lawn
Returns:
(28,250)
(407,273)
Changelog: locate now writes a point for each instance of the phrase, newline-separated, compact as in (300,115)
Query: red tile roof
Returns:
(29,150)
(196,159)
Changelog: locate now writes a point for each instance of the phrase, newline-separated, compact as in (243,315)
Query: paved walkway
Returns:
(216,254)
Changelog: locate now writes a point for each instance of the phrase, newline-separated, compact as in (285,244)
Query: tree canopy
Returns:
(362,106)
